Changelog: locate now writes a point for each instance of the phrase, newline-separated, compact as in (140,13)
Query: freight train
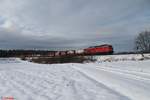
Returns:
(94,50)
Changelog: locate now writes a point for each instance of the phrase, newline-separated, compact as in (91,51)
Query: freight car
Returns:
(98,50)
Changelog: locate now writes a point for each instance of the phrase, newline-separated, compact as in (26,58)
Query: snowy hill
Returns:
(10,60)
(127,57)
(121,80)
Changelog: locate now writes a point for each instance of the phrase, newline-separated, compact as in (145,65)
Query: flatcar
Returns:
(98,50)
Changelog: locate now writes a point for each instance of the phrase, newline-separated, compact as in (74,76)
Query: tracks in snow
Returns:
(140,76)
(134,85)
(27,81)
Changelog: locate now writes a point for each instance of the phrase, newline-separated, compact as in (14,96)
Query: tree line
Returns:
(19,53)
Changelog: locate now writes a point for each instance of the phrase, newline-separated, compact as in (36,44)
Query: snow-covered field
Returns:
(121,80)
(127,57)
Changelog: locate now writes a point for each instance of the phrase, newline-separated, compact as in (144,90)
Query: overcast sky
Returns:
(67,24)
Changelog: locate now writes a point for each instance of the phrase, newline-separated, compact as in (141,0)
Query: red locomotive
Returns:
(96,50)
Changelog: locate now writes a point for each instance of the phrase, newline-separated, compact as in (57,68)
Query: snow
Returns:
(127,57)
(121,80)
(131,81)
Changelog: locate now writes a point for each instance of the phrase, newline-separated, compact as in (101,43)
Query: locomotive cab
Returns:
(102,49)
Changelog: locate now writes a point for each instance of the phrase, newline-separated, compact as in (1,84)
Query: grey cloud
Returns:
(74,23)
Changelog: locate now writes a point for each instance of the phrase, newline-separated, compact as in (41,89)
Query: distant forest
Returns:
(19,53)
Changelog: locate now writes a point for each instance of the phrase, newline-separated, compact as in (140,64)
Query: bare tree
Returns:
(142,42)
